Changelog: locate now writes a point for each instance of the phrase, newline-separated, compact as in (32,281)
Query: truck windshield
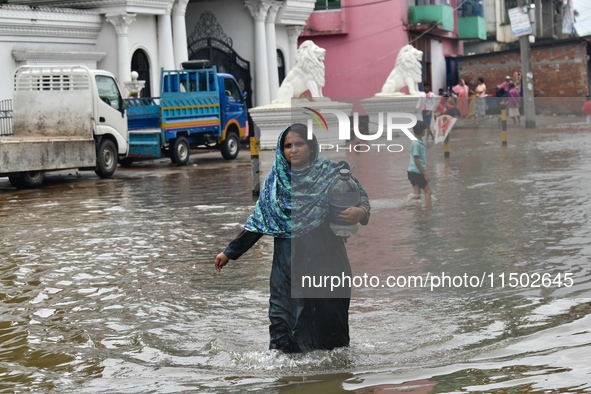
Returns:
(108,90)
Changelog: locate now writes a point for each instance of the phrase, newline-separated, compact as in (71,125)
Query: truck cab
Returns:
(110,118)
(233,103)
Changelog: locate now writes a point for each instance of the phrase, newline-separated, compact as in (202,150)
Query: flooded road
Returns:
(108,286)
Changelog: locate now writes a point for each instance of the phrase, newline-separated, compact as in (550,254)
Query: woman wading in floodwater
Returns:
(293,208)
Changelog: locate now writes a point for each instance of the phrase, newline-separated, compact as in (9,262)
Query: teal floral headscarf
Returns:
(294,202)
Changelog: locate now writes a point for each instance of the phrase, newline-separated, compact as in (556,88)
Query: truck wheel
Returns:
(180,152)
(231,146)
(106,160)
(27,180)
(16,181)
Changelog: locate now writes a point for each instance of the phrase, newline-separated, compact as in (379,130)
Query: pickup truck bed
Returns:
(46,153)
(143,113)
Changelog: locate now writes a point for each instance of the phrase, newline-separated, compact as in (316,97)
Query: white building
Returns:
(255,40)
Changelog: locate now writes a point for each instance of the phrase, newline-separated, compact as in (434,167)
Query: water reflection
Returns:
(108,286)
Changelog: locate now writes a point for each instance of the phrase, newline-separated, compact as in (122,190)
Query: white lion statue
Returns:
(406,72)
(307,74)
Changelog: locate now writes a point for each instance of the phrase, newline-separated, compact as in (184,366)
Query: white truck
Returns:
(64,117)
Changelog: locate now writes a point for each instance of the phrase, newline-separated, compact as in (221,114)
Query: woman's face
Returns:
(296,151)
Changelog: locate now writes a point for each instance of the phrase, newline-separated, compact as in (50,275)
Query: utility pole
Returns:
(529,104)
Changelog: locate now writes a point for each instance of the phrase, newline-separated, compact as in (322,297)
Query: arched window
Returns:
(141,64)
(280,66)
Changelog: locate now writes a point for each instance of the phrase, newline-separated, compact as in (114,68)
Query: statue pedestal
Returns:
(383,103)
(134,84)
(272,119)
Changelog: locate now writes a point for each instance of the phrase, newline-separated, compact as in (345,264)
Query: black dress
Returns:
(305,317)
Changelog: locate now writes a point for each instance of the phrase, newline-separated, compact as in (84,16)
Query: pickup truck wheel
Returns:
(106,159)
(180,152)
(27,180)
(231,146)
(16,181)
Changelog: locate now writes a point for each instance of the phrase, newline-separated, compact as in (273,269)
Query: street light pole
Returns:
(529,105)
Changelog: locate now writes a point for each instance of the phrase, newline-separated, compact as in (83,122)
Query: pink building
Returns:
(362,39)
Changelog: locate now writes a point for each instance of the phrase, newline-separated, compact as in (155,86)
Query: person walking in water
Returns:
(417,168)
(293,208)
(427,104)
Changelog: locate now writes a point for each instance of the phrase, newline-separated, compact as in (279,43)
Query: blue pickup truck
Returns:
(198,108)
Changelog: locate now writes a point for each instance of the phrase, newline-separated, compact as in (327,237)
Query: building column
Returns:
(294,33)
(272,48)
(121,23)
(165,52)
(179,32)
(258,9)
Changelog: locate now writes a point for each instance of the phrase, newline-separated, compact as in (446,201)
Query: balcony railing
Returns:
(470,8)
(472,27)
(427,13)
(471,22)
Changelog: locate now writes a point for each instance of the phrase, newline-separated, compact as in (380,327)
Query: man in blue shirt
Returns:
(417,168)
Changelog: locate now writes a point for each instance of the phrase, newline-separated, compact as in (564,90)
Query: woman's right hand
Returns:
(221,260)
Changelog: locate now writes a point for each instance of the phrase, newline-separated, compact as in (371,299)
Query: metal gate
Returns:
(226,60)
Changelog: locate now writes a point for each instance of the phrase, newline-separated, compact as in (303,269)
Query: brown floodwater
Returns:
(108,286)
